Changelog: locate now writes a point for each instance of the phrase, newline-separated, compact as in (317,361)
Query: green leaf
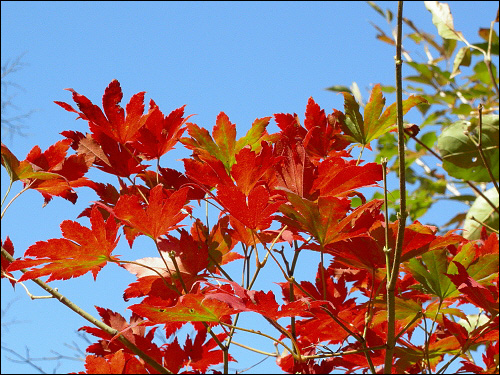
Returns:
(443,20)
(224,134)
(482,74)
(339,88)
(483,212)
(376,8)
(461,59)
(461,158)
(430,273)
(354,120)
(428,139)
(375,122)
(22,170)
(255,135)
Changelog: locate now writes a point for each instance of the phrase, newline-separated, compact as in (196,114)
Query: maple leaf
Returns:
(156,218)
(375,123)
(296,173)
(134,332)
(218,241)
(9,247)
(223,146)
(207,173)
(327,219)
(114,363)
(323,134)
(22,170)
(253,168)
(254,212)
(160,133)
(474,292)
(338,177)
(368,252)
(81,250)
(106,154)
(114,124)
(172,179)
(50,172)
(189,308)
(200,354)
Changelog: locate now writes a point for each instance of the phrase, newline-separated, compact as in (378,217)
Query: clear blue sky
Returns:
(248,59)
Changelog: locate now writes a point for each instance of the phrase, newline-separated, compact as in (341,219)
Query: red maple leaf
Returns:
(133,332)
(156,218)
(189,308)
(327,219)
(9,247)
(114,363)
(81,250)
(160,133)
(323,135)
(474,292)
(208,173)
(296,172)
(106,153)
(254,212)
(253,168)
(368,252)
(173,180)
(338,177)
(50,172)
(114,124)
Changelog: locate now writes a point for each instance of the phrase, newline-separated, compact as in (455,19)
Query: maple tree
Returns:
(299,188)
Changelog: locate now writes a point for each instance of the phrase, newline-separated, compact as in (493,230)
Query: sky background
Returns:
(248,59)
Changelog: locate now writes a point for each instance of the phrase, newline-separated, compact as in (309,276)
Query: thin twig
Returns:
(394,271)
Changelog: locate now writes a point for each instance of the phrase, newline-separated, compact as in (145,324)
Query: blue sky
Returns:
(248,59)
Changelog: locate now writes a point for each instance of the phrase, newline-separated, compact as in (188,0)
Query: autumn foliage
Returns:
(297,190)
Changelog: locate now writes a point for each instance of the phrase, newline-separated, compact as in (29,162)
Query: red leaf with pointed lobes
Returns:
(291,130)
(323,135)
(296,173)
(81,250)
(207,173)
(474,292)
(247,236)
(224,134)
(114,363)
(160,133)
(135,332)
(189,308)
(338,177)
(156,218)
(50,172)
(256,213)
(23,170)
(368,252)
(115,124)
(106,153)
(200,354)
(252,168)
(327,220)
(172,179)
(9,247)
(219,241)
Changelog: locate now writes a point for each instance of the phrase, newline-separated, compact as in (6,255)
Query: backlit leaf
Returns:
(81,250)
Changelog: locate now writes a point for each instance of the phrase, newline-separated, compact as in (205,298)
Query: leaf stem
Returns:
(16,196)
